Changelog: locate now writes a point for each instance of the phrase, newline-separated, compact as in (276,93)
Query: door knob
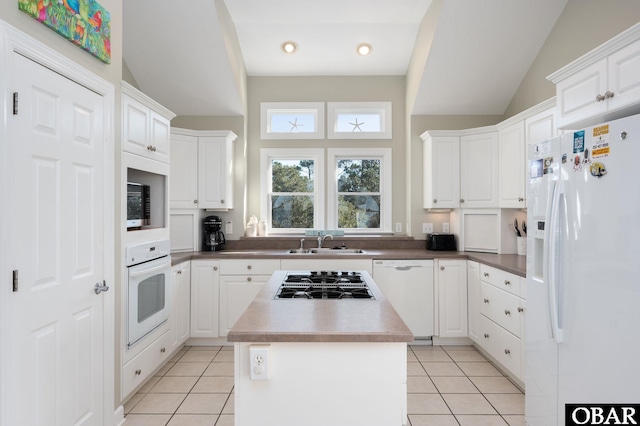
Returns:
(99,288)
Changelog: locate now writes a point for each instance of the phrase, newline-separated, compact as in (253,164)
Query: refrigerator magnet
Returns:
(597,169)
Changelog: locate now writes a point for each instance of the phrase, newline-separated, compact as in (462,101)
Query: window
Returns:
(359,120)
(292,120)
(292,189)
(358,198)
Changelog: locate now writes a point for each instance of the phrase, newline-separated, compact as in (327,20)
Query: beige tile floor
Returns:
(447,385)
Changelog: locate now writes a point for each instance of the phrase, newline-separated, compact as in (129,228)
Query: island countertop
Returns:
(317,320)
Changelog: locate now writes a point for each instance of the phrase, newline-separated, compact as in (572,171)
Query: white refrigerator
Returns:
(583,271)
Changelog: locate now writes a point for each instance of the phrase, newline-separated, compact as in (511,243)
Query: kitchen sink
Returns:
(336,251)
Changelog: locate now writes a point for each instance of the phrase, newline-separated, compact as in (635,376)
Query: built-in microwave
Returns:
(138,205)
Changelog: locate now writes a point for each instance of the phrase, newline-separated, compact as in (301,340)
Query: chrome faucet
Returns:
(322,238)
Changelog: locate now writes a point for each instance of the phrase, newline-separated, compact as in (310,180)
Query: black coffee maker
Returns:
(213,238)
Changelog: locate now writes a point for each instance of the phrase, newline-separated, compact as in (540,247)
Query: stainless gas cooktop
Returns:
(324,285)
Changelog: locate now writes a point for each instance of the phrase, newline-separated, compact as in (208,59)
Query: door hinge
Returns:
(15,280)
(15,103)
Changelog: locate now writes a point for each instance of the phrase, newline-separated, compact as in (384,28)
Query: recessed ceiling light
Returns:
(364,49)
(289,47)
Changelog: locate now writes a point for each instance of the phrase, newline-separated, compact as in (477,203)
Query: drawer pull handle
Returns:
(442,268)
(507,351)
(215,268)
(486,274)
(507,282)
(435,200)
(520,309)
(248,278)
(163,350)
(138,372)
(248,266)
(486,300)
(486,336)
(507,312)
(462,200)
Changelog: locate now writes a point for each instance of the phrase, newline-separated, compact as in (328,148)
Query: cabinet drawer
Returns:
(249,266)
(502,307)
(502,345)
(136,371)
(501,279)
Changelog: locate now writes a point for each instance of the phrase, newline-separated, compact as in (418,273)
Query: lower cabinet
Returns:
(205,289)
(307,264)
(139,369)
(501,319)
(240,282)
(452,297)
(180,316)
(473,298)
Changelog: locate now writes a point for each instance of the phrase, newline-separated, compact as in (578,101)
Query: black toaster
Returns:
(441,242)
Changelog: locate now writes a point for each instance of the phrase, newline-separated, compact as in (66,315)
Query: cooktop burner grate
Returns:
(324,285)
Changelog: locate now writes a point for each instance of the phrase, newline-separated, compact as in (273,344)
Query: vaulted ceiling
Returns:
(470,55)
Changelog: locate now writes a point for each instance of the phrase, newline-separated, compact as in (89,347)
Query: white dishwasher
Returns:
(408,284)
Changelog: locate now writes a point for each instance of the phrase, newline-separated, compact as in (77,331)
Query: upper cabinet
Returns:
(145,124)
(602,85)
(441,171)
(202,169)
(479,169)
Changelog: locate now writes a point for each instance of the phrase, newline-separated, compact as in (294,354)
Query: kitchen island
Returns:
(329,361)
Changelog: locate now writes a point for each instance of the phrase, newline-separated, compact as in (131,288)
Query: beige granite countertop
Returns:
(507,262)
(312,320)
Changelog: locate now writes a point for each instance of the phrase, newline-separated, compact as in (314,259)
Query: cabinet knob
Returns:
(442,268)
(221,201)
(520,199)
(248,266)
(195,201)
(163,350)
(215,268)
(599,98)
(138,372)
(486,300)
(486,336)
(507,312)
(180,272)
(520,309)
(462,200)
(507,282)
(435,200)
(507,351)
(248,278)
(608,95)
(486,274)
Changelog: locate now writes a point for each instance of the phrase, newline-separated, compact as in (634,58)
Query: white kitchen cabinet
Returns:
(139,369)
(502,318)
(408,285)
(205,291)
(601,85)
(473,299)
(240,282)
(540,127)
(441,171)
(452,298)
(305,263)
(184,230)
(203,169)
(145,125)
(180,315)
(512,158)
(479,170)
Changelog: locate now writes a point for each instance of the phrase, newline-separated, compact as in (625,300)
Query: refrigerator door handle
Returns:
(551,260)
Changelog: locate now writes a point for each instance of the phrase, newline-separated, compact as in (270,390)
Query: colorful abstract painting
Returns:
(84,22)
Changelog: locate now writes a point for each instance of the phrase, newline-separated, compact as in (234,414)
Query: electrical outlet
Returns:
(259,362)
(427,228)
(398,227)
(445,227)
(228,227)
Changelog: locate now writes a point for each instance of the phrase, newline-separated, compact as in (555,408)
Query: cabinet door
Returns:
(624,77)
(452,298)
(441,172)
(181,303)
(576,95)
(512,165)
(236,294)
(479,170)
(473,299)
(135,116)
(540,127)
(215,179)
(205,289)
(159,138)
(184,172)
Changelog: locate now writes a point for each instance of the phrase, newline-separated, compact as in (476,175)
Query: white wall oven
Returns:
(148,288)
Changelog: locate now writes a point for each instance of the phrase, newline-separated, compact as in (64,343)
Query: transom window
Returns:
(359,120)
(292,120)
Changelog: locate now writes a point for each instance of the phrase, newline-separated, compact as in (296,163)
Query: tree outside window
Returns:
(292,195)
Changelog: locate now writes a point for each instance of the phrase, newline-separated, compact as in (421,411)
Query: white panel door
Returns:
(479,170)
(55,366)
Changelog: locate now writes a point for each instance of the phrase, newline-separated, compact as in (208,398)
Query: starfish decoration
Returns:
(295,125)
(356,125)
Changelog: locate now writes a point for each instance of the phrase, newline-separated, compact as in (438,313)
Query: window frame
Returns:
(382,154)
(382,109)
(267,155)
(269,108)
